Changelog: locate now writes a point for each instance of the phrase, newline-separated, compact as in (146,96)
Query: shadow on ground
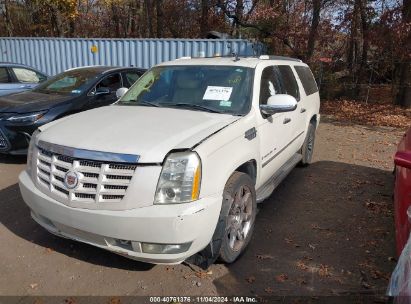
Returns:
(13,159)
(15,216)
(326,230)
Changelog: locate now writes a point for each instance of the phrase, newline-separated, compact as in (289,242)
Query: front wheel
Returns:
(235,223)
(307,149)
(240,209)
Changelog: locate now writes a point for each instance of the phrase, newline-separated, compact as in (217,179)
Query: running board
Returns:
(265,190)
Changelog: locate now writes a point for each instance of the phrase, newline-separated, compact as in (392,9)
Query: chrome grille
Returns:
(3,141)
(98,181)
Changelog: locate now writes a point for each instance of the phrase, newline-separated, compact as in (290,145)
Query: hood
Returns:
(30,101)
(145,131)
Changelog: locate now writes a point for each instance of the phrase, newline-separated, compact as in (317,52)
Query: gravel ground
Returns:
(326,230)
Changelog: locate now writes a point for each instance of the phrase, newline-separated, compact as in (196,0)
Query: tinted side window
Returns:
(270,84)
(289,83)
(4,76)
(28,76)
(307,79)
(130,78)
(112,82)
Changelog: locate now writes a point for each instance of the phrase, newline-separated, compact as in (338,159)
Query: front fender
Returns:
(224,152)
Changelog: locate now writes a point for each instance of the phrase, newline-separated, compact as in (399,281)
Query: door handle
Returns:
(286,120)
(302,110)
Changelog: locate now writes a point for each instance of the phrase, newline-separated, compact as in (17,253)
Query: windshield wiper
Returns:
(191,106)
(141,103)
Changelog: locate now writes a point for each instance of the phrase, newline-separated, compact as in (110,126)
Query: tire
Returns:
(307,149)
(237,216)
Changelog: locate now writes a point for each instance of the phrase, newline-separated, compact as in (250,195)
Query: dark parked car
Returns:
(18,78)
(67,93)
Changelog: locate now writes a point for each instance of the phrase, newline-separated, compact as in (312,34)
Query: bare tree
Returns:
(404,93)
(313,29)
(159,18)
(5,9)
(204,18)
(148,7)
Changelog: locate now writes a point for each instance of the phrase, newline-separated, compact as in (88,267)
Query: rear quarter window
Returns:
(307,79)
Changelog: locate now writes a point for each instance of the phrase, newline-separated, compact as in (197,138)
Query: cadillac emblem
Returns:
(71,180)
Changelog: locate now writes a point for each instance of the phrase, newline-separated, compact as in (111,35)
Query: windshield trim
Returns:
(92,82)
(250,97)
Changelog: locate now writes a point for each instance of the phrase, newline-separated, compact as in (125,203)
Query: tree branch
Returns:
(265,32)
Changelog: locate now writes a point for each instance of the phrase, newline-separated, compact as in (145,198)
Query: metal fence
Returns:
(54,55)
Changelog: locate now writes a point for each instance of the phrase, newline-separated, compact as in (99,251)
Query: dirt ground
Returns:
(327,230)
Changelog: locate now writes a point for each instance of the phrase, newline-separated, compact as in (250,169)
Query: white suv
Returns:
(175,168)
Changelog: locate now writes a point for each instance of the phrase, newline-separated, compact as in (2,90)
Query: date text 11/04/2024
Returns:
(203,299)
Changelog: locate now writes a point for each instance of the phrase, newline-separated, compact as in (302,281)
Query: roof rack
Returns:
(270,57)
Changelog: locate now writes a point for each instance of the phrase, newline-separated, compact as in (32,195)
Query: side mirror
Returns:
(120,92)
(279,103)
(403,159)
(102,91)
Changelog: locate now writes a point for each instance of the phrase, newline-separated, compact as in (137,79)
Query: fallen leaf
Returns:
(288,241)
(264,257)
(269,290)
(201,274)
(33,285)
(115,301)
(301,265)
(251,279)
(281,278)
(70,301)
(324,271)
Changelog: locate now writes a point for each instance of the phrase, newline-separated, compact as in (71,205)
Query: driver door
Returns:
(104,93)
(275,131)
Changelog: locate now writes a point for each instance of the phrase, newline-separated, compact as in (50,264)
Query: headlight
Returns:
(30,152)
(180,179)
(27,118)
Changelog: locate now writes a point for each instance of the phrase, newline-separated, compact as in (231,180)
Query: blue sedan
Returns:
(16,78)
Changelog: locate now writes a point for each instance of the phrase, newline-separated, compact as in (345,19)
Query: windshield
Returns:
(68,83)
(218,89)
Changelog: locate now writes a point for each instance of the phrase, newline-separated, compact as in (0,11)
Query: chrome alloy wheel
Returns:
(310,146)
(239,219)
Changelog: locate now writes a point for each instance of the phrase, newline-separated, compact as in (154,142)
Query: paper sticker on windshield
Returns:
(225,103)
(217,93)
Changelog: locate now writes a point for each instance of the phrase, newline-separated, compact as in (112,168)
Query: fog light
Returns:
(165,248)
(125,244)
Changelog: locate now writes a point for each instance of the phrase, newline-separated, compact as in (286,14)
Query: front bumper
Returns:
(161,224)
(15,141)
